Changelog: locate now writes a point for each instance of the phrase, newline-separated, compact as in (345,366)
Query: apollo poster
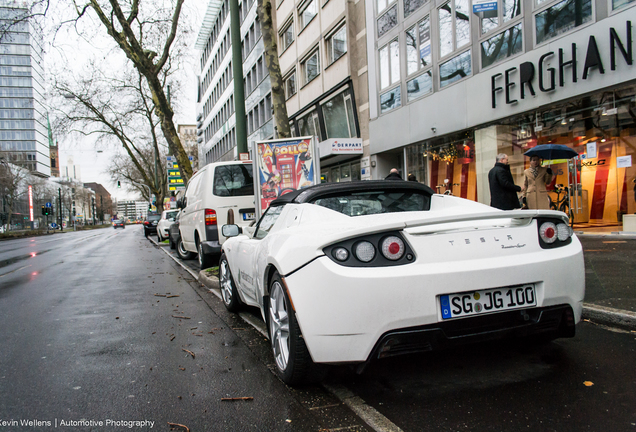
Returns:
(283,166)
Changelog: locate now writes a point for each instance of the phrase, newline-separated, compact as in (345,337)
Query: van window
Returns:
(233,180)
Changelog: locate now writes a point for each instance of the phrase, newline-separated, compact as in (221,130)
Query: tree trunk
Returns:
(281,119)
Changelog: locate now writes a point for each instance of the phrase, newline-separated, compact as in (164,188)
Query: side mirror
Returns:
(249,231)
(230,230)
(181,203)
(171,220)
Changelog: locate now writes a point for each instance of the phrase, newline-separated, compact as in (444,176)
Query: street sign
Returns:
(175,181)
(47,205)
(53,225)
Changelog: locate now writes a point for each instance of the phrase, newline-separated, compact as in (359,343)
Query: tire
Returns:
(182,252)
(205,261)
(172,245)
(159,239)
(293,362)
(229,293)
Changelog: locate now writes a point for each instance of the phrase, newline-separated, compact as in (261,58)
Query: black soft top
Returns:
(324,190)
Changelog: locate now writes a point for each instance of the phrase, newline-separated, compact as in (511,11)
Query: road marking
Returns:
(368,414)
(13,271)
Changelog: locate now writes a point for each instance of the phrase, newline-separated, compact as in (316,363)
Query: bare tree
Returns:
(12,185)
(18,15)
(145,32)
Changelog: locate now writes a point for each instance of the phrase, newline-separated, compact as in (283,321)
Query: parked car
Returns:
(217,193)
(150,224)
(119,223)
(167,218)
(173,232)
(353,272)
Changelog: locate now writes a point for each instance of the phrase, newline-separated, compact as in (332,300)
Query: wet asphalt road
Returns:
(85,337)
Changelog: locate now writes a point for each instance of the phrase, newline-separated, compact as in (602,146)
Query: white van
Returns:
(215,195)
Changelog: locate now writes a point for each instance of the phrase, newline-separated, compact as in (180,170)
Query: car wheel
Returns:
(172,246)
(205,261)
(293,362)
(146,233)
(182,252)
(230,296)
(159,238)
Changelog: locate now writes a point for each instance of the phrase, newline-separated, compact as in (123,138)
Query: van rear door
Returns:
(233,190)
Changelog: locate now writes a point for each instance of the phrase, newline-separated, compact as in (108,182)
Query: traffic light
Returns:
(118,184)
(43,211)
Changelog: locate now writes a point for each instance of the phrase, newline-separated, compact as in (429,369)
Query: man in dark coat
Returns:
(393,175)
(503,191)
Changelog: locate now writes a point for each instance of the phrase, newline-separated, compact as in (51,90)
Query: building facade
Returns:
(23,133)
(132,210)
(215,103)
(464,82)
(103,201)
(322,52)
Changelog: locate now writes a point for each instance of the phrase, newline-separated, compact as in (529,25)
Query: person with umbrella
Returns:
(535,194)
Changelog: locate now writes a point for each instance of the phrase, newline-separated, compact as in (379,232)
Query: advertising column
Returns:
(282,166)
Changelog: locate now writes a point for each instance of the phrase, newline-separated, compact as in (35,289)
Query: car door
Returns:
(249,272)
(189,215)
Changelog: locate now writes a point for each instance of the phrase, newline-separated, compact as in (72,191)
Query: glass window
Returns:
(387,21)
(308,125)
(287,36)
(390,100)
(561,18)
(617,4)
(418,46)
(382,4)
(501,46)
(290,85)
(454,69)
(454,24)
(419,86)
(311,67)
(233,180)
(307,13)
(338,116)
(389,64)
(411,6)
(267,221)
(337,45)
(506,11)
(374,202)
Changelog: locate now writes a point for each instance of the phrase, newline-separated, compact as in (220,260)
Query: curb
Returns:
(212,282)
(609,316)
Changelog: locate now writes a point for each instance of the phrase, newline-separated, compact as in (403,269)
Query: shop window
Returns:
(338,115)
(454,26)
(419,86)
(389,64)
(617,4)
(290,85)
(337,44)
(387,21)
(306,13)
(506,11)
(390,100)
(287,35)
(561,18)
(418,46)
(454,69)
(311,67)
(309,125)
(411,6)
(501,46)
(382,4)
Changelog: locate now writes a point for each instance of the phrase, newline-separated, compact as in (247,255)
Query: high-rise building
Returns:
(215,105)
(23,130)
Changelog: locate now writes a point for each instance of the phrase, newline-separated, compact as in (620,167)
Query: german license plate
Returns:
(248,216)
(487,301)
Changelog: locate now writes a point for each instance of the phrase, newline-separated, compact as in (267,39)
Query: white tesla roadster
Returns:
(353,272)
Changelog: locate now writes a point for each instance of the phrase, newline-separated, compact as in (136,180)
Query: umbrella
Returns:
(552,151)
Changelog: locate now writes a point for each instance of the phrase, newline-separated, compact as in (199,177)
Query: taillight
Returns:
(392,248)
(554,233)
(210,217)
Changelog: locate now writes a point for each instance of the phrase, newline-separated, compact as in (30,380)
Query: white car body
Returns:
(163,226)
(348,314)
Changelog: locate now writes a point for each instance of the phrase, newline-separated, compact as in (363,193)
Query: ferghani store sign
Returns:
(530,78)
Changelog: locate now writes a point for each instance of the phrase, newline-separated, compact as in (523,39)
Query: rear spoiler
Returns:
(508,214)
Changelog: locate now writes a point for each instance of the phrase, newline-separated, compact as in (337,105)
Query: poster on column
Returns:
(282,166)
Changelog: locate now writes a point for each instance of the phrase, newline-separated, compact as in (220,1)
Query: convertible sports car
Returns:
(353,272)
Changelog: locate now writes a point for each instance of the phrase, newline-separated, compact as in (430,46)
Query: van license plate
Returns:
(248,216)
(487,301)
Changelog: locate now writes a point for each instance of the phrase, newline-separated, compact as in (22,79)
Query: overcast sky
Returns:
(69,49)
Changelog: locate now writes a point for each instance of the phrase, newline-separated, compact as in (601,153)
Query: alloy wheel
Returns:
(225,282)
(279,325)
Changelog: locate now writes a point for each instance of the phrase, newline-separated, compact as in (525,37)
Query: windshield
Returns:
(233,180)
(153,217)
(172,214)
(374,202)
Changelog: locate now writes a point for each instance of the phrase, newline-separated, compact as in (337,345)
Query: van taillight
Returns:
(210,217)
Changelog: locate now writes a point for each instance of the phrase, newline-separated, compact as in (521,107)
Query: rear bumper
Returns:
(211,247)
(553,322)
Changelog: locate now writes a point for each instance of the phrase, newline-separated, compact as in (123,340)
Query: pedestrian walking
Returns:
(535,194)
(503,190)
(394,175)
